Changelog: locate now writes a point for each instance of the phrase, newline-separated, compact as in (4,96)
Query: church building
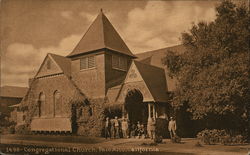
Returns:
(100,78)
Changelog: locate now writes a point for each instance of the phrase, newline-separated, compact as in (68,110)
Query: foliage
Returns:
(4,121)
(11,129)
(76,106)
(22,129)
(161,128)
(219,136)
(6,125)
(7,129)
(213,71)
(91,124)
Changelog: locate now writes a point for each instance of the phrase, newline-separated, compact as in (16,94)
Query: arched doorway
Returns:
(134,107)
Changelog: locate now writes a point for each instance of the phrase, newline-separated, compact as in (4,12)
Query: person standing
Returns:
(112,129)
(152,129)
(132,131)
(116,124)
(124,128)
(137,131)
(149,127)
(107,128)
(172,127)
(142,131)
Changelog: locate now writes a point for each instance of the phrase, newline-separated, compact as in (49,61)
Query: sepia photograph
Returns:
(96,77)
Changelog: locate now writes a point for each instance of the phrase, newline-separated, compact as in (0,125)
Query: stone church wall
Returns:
(112,74)
(53,68)
(90,81)
(48,86)
(90,118)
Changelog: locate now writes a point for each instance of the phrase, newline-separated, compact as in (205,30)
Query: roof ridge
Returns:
(4,86)
(152,51)
(101,34)
(148,65)
(84,34)
(53,54)
(144,70)
(62,65)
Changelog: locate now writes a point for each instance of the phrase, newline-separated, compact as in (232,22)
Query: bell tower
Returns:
(101,58)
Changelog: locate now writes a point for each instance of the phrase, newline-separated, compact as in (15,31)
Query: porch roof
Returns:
(155,80)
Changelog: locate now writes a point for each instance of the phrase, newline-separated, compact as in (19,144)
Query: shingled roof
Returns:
(155,58)
(63,62)
(13,91)
(154,77)
(101,34)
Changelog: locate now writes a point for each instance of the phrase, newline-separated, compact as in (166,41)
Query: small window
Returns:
(42,106)
(83,63)
(90,111)
(24,117)
(80,113)
(115,61)
(87,62)
(57,103)
(119,62)
(48,64)
(123,63)
(91,62)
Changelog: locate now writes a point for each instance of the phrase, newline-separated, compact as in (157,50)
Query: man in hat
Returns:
(116,124)
(172,127)
(124,128)
(107,128)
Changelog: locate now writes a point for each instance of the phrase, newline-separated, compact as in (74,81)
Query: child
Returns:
(137,130)
(132,131)
(142,131)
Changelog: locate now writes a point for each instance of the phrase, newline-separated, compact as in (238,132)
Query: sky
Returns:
(32,28)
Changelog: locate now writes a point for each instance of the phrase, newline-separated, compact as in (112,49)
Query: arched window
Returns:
(90,111)
(42,111)
(57,103)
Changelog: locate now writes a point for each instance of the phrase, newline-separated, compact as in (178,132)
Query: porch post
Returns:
(124,112)
(149,111)
(154,111)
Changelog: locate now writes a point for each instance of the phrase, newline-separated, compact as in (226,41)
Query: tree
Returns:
(213,71)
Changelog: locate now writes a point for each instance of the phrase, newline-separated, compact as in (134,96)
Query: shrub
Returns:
(219,136)
(11,129)
(230,140)
(22,129)
(211,136)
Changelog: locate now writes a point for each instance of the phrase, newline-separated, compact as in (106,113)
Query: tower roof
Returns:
(101,34)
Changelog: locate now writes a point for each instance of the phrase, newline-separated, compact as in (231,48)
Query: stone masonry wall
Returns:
(90,81)
(48,86)
(112,74)
(90,118)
